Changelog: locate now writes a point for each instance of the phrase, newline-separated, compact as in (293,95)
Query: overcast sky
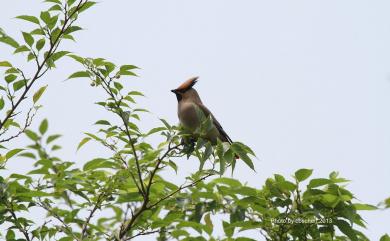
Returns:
(306,84)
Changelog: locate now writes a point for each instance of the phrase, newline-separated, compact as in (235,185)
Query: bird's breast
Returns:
(187,115)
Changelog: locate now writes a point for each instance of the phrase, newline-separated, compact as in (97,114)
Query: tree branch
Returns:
(38,73)
(125,228)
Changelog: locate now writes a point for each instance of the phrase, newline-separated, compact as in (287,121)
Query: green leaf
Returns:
(228,229)
(227,181)
(45,16)
(222,162)
(127,67)
(173,165)
(97,163)
(54,1)
(79,59)
(346,229)
(55,147)
(37,31)
(79,74)
(125,72)
(56,56)
(118,86)
(70,2)
(28,155)
(238,215)
(303,174)
(135,93)
(385,238)
(246,148)
(236,147)
(12,153)
(167,125)
(286,185)
(387,202)
(10,235)
(39,45)
(247,191)
(10,41)
(30,56)
(361,206)
(43,126)
(52,138)
(9,78)
(155,130)
(195,225)
(2,103)
(5,64)
(330,199)
(209,223)
(12,71)
(86,6)
(29,18)
(52,22)
(109,67)
(22,48)
(229,157)
(205,156)
(28,38)
(19,84)
(32,193)
(39,93)
(66,239)
(32,135)
(19,176)
(244,239)
(68,36)
(83,142)
(72,29)
(317,182)
(55,8)
(102,122)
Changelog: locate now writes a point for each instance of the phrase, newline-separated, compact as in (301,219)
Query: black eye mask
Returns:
(178,96)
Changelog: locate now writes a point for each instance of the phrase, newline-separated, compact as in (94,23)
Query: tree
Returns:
(125,195)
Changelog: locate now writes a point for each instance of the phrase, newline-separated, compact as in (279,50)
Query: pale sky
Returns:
(306,84)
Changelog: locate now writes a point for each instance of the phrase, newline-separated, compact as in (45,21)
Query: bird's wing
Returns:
(223,135)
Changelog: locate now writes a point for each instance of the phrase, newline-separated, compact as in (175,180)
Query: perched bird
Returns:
(189,105)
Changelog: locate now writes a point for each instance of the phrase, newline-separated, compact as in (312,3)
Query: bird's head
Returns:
(185,89)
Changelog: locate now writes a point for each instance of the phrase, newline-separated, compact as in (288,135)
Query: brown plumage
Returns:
(188,103)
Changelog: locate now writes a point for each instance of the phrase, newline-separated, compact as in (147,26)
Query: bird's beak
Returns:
(174,91)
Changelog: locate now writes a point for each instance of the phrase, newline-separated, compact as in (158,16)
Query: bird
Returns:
(189,107)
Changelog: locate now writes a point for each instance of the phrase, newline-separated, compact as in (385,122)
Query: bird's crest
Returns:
(187,84)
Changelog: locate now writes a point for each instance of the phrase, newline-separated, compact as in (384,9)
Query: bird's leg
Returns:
(188,145)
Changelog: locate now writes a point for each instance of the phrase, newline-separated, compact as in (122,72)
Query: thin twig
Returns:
(56,216)
(16,222)
(142,233)
(27,123)
(182,187)
(91,213)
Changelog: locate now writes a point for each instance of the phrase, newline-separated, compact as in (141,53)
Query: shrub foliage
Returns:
(125,194)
